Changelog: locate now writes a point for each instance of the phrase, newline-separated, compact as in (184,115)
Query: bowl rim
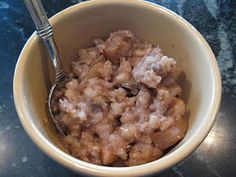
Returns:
(87,168)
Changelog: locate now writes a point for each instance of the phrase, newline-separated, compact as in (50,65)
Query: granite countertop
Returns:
(216,157)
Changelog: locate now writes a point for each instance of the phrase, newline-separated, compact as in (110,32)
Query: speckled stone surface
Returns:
(216,157)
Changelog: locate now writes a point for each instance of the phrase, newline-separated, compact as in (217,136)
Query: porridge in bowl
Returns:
(123,106)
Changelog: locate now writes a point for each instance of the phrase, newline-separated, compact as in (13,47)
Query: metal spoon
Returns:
(45,32)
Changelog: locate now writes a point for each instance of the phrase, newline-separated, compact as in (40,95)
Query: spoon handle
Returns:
(44,30)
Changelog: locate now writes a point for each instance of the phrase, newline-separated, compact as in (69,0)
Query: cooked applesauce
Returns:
(123,105)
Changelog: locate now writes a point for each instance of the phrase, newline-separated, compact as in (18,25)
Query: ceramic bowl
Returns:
(77,26)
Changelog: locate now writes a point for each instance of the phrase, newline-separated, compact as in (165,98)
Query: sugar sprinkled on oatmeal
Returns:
(123,105)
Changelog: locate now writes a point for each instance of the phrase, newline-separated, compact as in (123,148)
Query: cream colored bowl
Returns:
(77,26)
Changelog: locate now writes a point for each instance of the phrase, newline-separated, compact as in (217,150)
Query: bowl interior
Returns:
(78,26)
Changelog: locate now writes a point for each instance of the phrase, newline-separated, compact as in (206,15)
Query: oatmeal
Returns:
(122,106)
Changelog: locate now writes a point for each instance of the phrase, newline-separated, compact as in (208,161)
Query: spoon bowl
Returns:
(60,82)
